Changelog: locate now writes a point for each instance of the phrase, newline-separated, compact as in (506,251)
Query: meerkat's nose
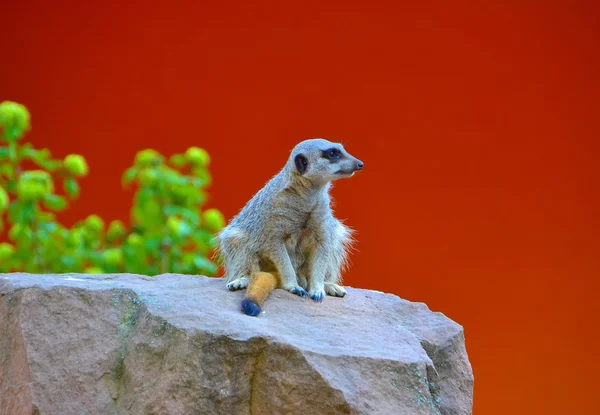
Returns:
(359,165)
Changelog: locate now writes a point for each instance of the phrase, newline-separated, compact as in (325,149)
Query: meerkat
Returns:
(286,236)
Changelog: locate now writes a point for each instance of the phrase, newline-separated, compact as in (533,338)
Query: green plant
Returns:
(169,232)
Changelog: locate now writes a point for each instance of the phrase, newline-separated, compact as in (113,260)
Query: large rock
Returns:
(173,344)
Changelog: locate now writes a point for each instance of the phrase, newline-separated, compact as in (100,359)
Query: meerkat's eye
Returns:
(332,154)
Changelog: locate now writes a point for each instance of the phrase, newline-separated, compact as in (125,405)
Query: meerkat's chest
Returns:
(303,235)
(300,241)
(299,222)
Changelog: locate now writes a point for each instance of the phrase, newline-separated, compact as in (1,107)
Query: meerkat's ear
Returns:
(301,163)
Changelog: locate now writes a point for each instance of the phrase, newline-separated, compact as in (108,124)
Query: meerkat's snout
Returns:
(347,164)
(357,164)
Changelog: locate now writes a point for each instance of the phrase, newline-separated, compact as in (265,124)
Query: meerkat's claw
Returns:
(238,284)
(317,295)
(297,290)
(334,290)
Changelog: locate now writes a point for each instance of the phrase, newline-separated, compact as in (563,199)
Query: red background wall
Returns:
(478,126)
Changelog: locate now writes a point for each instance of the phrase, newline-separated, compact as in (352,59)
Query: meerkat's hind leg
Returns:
(249,268)
(333,280)
(335,290)
(240,270)
(238,284)
(232,251)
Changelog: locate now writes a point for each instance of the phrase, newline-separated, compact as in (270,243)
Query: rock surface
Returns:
(173,344)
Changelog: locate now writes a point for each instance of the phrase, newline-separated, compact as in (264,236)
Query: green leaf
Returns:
(51,165)
(40,156)
(26,151)
(4,153)
(178,160)
(14,212)
(129,176)
(20,234)
(7,171)
(46,216)
(203,175)
(177,180)
(43,237)
(202,237)
(143,196)
(186,214)
(148,214)
(71,187)
(21,212)
(184,229)
(55,202)
(49,227)
(152,244)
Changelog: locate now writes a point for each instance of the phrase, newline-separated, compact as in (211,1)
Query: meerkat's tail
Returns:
(260,287)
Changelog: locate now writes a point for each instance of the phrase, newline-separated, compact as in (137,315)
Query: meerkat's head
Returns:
(322,161)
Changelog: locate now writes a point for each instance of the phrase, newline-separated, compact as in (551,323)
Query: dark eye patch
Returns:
(332,154)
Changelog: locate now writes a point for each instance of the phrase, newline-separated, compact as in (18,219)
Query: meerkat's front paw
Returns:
(296,289)
(334,290)
(238,284)
(317,295)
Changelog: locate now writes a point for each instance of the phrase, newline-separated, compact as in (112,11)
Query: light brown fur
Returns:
(261,285)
